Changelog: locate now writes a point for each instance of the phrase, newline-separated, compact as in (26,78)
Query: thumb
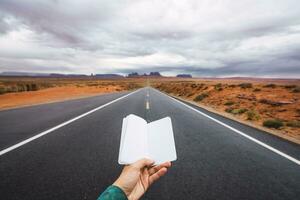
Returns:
(143,163)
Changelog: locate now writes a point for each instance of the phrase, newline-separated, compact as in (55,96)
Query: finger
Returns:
(143,163)
(144,179)
(157,175)
(154,169)
(166,164)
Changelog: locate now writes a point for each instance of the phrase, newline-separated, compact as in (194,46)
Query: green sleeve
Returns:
(113,193)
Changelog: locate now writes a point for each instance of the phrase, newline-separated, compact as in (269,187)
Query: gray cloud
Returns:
(205,38)
(27,66)
(4,27)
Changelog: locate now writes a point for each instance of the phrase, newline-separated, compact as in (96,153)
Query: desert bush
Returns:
(201,96)
(21,88)
(229,103)
(296,89)
(31,87)
(34,87)
(236,111)
(273,123)
(245,85)
(93,84)
(293,124)
(239,111)
(218,87)
(201,85)
(290,86)
(228,110)
(256,90)
(193,85)
(298,111)
(252,115)
(270,85)
(28,87)
(2,90)
(14,88)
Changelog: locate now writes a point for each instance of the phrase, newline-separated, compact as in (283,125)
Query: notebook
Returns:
(140,139)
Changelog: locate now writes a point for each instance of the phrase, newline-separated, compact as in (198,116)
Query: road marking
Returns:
(4,151)
(147,105)
(237,131)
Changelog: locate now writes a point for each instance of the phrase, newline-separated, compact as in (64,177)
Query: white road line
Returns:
(147,105)
(237,131)
(4,151)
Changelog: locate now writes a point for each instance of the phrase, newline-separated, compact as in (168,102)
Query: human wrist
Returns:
(132,198)
(113,192)
(129,196)
(120,186)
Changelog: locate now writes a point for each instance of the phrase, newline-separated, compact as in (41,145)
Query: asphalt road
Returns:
(79,159)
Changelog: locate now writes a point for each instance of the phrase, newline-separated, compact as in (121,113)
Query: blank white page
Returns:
(133,145)
(124,126)
(161,144)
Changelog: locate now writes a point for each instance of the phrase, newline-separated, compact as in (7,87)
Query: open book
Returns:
(154,140)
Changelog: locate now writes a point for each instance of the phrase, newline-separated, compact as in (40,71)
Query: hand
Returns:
(136,178)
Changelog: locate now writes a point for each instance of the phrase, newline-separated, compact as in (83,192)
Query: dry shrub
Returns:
(295,124)
(252,115)
(201,96)
(229,103)
(296,89)
(218,87)
(290,86)
(273,123)
(270,85)
(245,85)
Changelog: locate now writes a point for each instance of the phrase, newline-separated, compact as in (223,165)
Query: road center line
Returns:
(237,131)
(4,151)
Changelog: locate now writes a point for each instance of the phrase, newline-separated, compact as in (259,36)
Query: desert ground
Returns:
(24,91)
(269,104)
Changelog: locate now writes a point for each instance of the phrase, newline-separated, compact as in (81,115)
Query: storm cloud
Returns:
(202,37)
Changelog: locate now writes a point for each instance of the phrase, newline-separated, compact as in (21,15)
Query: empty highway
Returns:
(69,150)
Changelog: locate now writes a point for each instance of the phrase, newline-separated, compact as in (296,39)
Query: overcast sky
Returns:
(200,37)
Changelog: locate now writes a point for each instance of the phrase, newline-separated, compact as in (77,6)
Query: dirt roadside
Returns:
(269,105)
(50,95)
(26,91)
(248,123)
